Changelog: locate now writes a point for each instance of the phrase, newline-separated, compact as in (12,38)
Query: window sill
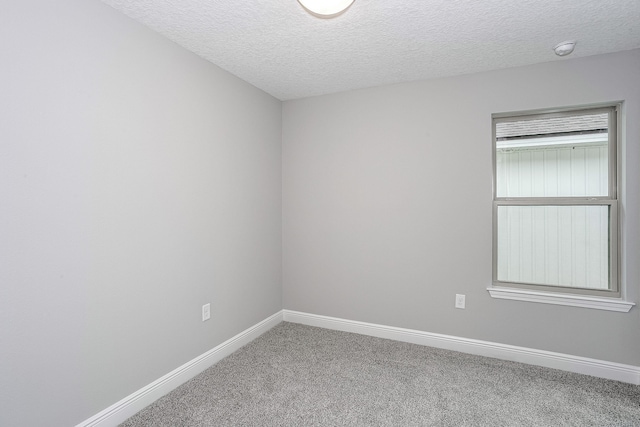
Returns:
(610,304)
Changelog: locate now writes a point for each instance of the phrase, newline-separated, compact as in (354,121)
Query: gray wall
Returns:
(387,205)
(137,182)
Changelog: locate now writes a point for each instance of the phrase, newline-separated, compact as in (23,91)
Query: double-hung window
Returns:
(555,206)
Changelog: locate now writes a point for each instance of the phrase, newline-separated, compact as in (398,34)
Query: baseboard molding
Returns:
(135,402)
(130,405)
(581,365)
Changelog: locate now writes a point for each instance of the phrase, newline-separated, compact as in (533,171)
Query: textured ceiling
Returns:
(278,47)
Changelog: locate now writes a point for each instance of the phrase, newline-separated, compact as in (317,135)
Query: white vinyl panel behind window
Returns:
(553,245)
(549,172)
(550,165)
(538,257)
(538,172)
(564,246)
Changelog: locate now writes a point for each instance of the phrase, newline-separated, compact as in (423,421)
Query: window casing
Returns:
(555,206)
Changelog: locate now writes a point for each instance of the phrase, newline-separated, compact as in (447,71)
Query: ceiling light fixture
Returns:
(325,8)
(564,48)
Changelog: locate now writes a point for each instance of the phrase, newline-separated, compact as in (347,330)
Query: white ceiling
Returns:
(280,48)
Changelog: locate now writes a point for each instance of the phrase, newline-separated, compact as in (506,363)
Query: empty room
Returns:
(315,213)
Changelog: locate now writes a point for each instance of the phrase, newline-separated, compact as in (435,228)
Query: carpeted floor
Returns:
(297,375)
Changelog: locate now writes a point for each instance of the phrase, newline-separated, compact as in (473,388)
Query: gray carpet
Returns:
(297,375)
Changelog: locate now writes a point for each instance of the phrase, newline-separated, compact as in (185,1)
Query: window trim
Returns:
(609,299)
(557,298)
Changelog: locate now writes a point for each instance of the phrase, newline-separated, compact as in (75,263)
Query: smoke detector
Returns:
(564,48)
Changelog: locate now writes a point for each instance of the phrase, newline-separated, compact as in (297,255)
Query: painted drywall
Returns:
(137,183)
(387,205)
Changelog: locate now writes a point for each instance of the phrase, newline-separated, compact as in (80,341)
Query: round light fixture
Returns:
(564,48)
(325,8)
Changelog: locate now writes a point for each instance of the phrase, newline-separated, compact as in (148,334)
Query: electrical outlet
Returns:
(206,312)
(460,301)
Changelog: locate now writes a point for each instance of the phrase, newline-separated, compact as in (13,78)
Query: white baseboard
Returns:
(135,402)
(581,365)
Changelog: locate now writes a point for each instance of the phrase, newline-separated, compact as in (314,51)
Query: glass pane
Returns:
(554,245)
(564,156)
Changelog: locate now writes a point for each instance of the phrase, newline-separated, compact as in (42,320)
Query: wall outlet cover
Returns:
(460,301)
(206,312)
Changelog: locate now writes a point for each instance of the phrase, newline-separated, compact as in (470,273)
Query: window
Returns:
(555,207)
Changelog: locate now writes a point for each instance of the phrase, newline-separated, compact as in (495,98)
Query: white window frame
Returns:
(610,299)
